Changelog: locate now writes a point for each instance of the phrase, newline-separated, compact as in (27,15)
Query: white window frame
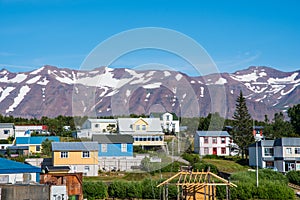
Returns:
(103,147)
(268,153)
(64,154)
(288,150)
(123,147)
(85,154)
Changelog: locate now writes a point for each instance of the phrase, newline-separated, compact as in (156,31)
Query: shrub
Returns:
(272,185)
(192,158)
(150,191)
(94,190)
(294,177)
(205,167)
(117,189)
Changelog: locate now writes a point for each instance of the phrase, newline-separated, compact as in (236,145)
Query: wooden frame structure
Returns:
(196,185)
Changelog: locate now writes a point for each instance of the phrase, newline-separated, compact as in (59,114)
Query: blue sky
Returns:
(236,34)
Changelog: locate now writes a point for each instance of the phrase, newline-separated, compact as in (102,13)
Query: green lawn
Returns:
(227,165)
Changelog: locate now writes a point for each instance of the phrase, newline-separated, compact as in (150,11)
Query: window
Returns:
(137,127)
(85,154)
(123,147)
(223,150)
(143,127)
(206,150)
(269,151)
(223,140)
(168,118)
(64,154)
(205,140)
(288,150)
(297,150)
(38,148)
(6,131)
(104,147)
(96,125)
(86,168)
(214,140)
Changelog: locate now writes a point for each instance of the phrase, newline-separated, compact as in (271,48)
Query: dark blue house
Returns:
(114,145)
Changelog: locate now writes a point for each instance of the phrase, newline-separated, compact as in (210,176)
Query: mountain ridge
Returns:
(52,91)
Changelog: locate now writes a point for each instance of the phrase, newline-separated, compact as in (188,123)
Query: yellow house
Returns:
(145,131)
(79,156)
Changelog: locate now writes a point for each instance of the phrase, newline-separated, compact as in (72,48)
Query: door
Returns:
(214,151)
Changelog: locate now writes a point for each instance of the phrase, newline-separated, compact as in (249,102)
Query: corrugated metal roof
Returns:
(35,140)
(264,143)
(102,120)
(287,142)
(153,124)
(7,125)
(212,133)
(112,139)
(13,167)
(75,146)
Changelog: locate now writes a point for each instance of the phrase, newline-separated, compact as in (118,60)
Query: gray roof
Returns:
(112,139)
(125,124)
(212,134)
(102,120)
(74,146)
(264,143)
(287,142)
(7,125)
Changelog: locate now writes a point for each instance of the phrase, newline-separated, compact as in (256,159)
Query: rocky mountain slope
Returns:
(51,91)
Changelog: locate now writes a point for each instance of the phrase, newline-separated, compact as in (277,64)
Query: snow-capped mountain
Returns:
(51,91)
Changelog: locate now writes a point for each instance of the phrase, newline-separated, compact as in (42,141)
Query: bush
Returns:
(272,185)
(150,191)
(118,189)
(192,158)
(205,167)
(294,177)
(94,190)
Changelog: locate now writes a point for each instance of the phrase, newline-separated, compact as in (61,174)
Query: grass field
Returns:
(227,165)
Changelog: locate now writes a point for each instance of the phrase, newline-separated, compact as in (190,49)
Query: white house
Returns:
(7,130)
(168,123)
(97,126)
(26,130)
(282,154)
(145,131)
(212,143)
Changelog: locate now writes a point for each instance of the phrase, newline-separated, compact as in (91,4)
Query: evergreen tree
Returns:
(242,131)
(294,114)
(278,128)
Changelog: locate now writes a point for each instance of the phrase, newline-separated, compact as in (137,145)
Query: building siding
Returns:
(75,158)
(115,150)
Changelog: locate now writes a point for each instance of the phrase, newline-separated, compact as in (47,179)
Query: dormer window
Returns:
(144,127)
(137,127)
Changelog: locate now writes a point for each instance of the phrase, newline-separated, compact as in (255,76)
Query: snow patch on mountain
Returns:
(33,80)
(221,81)
(152,85)
(285,80)
(167,73)
(6,92)
(22,93)
(43,82)
(178,77)
(37,71)
(17,79)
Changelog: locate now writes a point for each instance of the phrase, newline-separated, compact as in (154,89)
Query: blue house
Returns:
(114,145)
(34,143)
(16,172)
